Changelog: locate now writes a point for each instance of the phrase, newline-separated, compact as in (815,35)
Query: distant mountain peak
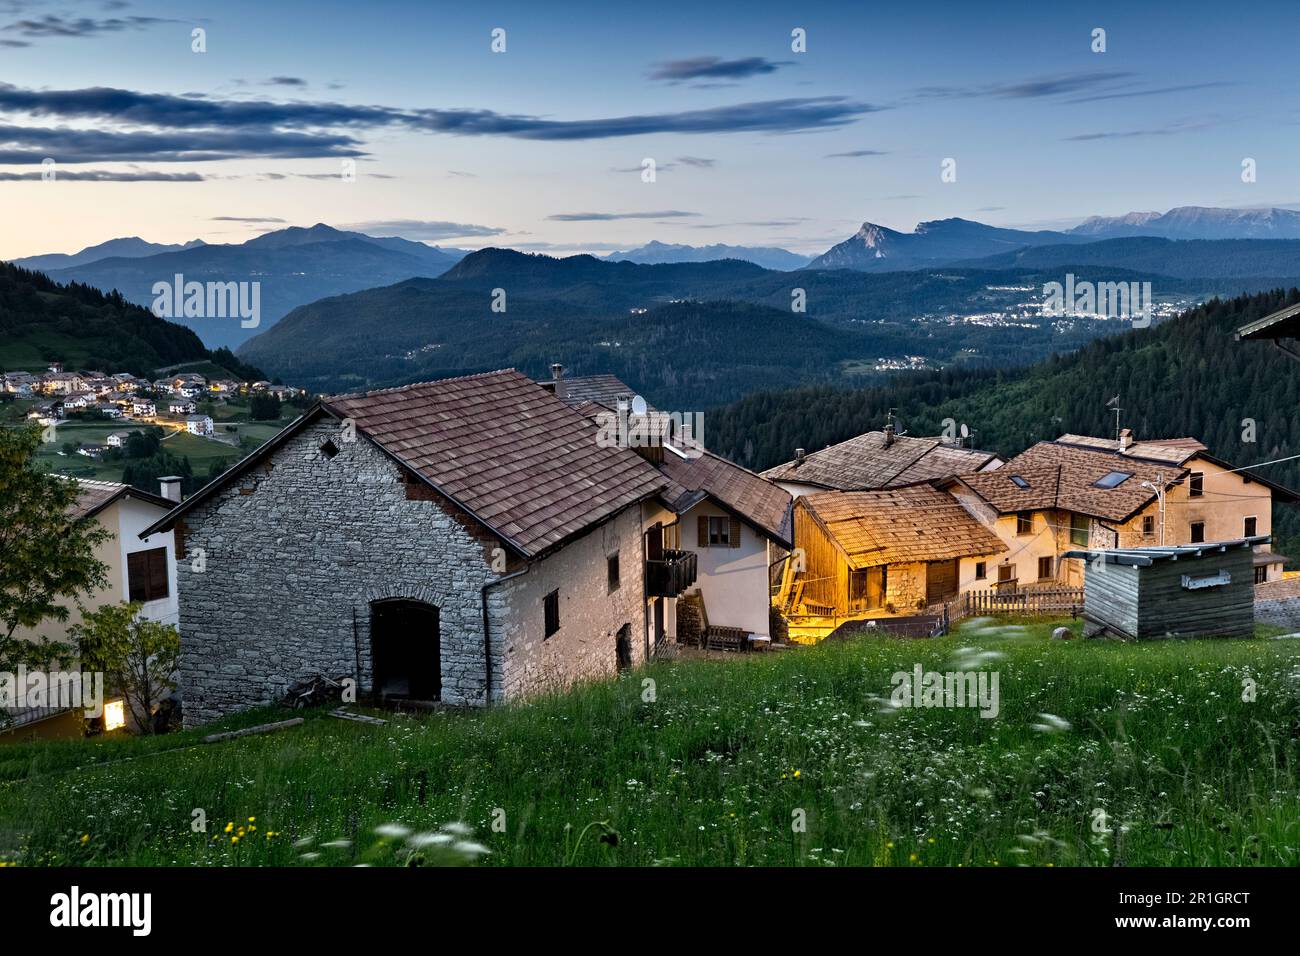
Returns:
(1196,222)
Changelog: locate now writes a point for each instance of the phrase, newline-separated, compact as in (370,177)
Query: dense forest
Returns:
(42,321)
(1186,377)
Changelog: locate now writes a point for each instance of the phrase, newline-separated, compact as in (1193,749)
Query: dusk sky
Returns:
(540,147)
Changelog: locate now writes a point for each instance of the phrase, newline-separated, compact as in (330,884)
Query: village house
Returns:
(107,409)
(143,408)
(141,567)
(78,401)
(874,460)
(117,439)
(181,406)
(199,425)
(721,529)
(1096,493)
(894,551)
(465,541)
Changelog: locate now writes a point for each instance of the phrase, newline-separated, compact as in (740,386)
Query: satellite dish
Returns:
(638,405)
(965,432)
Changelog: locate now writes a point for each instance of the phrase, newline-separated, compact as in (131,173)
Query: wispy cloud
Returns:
(32,144)
(1158,91)
(286,81)
(105,176)
(253,219)
(1056,85)
(1172,129)
(714,68)
(697,161)
(854,153)
(52,26)
(424,229)
(606,216)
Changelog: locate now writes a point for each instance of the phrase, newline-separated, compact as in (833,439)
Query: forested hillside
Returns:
(1185,377)
(42,321)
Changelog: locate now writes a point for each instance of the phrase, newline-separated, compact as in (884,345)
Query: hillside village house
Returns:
(1096,493)
(882,459)
(723,525)
(182,406)
(140,568)
(199,425)
(464,541)
(891,551)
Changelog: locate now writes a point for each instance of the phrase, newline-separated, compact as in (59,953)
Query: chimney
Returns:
(799,454)
(1125,439)
(171,487)
(557,377)
(889,434)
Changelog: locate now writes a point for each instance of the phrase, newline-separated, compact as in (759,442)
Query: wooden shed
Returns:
(1191,590)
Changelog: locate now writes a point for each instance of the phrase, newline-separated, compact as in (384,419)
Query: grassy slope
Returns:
(705,774)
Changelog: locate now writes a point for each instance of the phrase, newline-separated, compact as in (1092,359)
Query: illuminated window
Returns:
(114,715)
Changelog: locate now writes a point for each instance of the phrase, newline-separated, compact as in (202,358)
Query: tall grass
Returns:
(1148,755)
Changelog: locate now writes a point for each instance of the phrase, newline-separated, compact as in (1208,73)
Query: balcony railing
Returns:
(671,575)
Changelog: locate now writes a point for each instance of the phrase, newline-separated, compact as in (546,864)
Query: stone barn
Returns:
(1194,590)
(462,541)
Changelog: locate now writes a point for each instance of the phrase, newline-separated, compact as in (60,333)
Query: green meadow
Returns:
(1173,753)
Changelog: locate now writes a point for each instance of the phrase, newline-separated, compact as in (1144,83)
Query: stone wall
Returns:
(905,587)
(297,549)
(1283,612)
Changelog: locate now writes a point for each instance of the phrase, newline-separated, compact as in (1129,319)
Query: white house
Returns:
(184,406)
(143,408)
(199,425)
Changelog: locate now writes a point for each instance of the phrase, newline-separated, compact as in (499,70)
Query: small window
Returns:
(1196,484)
(1251,526)
(551,608)
(1019,482)
(146,575)
(1045,568)
(1006,572)
(329,449)
(1025,522)
(1261,574)
(1113,479)
(1079,530)
(1148,524)
(719,532)
(611,567)
(1198,532)
(981,571)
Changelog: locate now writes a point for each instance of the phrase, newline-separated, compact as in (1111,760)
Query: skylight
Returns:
(1113,479)
(1018,481)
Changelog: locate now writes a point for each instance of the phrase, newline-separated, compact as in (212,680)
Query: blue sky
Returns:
(541,146)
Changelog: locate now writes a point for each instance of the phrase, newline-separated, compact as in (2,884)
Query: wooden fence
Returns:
(1037,601)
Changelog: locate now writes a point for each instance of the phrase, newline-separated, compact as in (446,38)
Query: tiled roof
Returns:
(523,462)
(763,503)
(601,389)
(1064,476)
(1171,451)
(866,462)
(900,526)
(94,496)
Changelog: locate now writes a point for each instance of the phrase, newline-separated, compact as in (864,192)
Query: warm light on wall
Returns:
(114,715)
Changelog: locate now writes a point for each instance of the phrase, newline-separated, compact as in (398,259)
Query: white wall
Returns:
(133,516)
(733,581)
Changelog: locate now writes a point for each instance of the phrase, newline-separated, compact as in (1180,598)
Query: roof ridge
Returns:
(410,385)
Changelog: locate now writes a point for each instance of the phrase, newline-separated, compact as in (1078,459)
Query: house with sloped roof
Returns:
(893,551)
(725,524)
(466,541)
(879,459)
(1096,493)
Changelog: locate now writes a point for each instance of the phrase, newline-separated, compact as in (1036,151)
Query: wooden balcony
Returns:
(671,575)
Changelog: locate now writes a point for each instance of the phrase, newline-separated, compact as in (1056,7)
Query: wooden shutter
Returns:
(735,532)
(704,530)
(157,573)
(137,576)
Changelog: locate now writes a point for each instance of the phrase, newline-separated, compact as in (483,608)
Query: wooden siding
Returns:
(1152,602)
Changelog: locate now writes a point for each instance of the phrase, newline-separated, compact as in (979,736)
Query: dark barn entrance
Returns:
(405,650)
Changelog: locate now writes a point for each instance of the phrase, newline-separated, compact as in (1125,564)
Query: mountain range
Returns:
(1195,222)
(129,247)
(658,252)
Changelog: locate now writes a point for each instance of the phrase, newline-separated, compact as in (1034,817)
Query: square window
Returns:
(551,611)
(1251,526)
(1196,484)
(719,532)
(1261,574)
(1045,568)
(1025,522)
(1198,532)
(980,571)
(1148,524)
(329,449)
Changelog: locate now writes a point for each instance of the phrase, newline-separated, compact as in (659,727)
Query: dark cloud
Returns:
(286,81)
(854,153)
(32,144)
(421,229)
(606,216)
(714,68)
(697,161)
(51,26)
(106,176)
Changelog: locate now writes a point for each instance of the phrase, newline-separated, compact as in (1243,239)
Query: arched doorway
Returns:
(405,649)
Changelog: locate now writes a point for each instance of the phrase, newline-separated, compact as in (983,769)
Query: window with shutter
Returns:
(735,533)
(146,575)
